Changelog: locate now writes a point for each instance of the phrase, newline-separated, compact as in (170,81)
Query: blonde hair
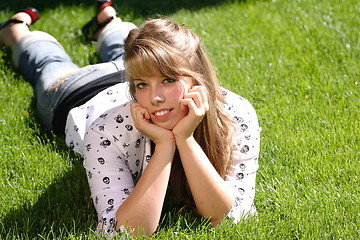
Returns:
(161,45)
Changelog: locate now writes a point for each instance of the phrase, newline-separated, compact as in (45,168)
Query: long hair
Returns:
(161,45)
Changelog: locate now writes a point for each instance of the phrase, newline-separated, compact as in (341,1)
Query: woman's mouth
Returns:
(162,114)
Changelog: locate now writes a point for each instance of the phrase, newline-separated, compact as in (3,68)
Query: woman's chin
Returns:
(166,125)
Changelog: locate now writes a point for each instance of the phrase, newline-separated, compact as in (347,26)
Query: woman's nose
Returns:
(157,96)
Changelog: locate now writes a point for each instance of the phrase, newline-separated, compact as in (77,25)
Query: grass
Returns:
(296,61)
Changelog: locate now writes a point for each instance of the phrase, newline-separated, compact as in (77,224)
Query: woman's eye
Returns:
(140,85)
(169,80)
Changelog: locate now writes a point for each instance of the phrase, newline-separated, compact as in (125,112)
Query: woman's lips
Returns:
(162,114)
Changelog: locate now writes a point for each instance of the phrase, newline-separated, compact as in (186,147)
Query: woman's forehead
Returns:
(151,72)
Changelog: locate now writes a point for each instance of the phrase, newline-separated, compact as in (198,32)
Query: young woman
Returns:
(179,133)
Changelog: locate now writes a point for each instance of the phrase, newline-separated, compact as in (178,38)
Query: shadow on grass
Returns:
(64,208)
(142,8)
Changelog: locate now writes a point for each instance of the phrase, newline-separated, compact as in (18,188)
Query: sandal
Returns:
(90,29)
(32,12)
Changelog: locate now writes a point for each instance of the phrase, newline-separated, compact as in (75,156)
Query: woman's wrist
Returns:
(168,145)
(184,140)
(165,139)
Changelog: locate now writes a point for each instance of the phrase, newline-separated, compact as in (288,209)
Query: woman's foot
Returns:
(14,29)
(32,13)
(105,15)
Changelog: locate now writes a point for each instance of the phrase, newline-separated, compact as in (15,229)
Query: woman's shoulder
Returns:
(116,126)
(80,118)
(236,104)
(115,123)
(115,119)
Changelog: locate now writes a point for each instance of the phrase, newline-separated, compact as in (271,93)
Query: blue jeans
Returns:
(43,62)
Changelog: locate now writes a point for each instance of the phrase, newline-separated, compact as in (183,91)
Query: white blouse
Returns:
(116,153)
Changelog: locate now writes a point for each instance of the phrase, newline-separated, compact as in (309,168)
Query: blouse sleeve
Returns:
(107,162)
(246,146)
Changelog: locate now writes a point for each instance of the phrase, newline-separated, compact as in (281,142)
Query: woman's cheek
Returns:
(140,99)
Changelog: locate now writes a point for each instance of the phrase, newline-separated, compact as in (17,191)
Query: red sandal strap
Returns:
(33,13)
(104,4)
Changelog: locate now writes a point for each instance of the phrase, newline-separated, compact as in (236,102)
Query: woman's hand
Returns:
(201,175)
(196,101)
(142,122)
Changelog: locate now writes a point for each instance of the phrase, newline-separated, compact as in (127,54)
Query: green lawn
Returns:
(297,61)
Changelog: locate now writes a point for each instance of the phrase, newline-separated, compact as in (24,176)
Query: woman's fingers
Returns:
(139,114)
(198,96)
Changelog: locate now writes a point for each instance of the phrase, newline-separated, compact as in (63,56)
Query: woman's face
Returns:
(161,97)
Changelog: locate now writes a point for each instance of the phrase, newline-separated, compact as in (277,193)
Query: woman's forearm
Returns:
(141,211)
(212,196)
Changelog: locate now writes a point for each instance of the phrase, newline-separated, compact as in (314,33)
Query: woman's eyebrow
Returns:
(138,79)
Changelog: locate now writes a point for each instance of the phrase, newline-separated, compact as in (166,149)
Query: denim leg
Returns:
(110,44)
(44,63)
(41,59)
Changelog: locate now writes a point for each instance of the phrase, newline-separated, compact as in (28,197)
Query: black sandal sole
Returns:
(92,27)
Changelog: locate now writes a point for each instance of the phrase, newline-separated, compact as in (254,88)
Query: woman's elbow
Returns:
(217,217)
(148,232)
(140,231)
